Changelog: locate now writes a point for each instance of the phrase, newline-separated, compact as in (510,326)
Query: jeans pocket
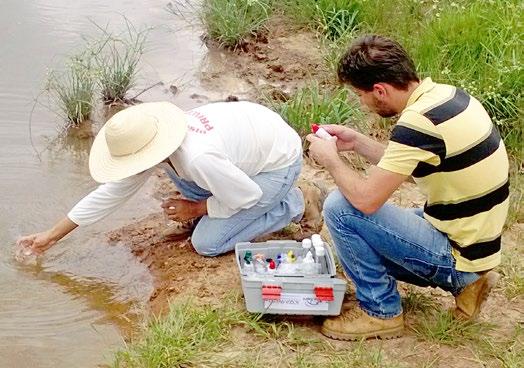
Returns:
(421,268)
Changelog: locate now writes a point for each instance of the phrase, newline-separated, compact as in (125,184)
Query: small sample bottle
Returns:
(309,267)
(248,268)
(291,257)
(271,267)
(260,264)
(321,260)
(321,132)
(306,245)
(320,253)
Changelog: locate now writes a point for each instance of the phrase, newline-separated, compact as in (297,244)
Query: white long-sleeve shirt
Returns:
(226,144)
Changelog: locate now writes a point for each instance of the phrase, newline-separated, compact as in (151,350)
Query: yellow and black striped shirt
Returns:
(447,142)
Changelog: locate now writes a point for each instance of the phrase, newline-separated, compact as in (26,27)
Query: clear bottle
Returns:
(320,253)
(309,267)
(306,246)
(321,132)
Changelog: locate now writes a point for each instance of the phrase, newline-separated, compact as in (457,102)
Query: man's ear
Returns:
(379,90)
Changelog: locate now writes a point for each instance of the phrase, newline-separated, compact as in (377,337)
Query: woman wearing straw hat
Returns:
(235,164)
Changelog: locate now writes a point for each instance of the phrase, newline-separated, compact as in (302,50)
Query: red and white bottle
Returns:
(321,132)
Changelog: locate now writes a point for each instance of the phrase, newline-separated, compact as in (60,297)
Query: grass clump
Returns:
(117,60)
(72,90)
(185,337)
(442,328)
(331,17)
(416,302)
(312,105)
(231,22)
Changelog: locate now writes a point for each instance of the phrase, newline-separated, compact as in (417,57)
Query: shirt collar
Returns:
(425,86)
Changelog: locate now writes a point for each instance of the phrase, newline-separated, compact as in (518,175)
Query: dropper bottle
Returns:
(320,253)
(321,132)
(306,246)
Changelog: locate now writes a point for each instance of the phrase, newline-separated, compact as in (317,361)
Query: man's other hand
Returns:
(346,137)
(323,151)
(183,210)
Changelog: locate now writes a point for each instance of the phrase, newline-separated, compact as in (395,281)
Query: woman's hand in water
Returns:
(183,210)
(36,243)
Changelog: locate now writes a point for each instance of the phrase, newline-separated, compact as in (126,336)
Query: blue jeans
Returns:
(280,204)
(391,244)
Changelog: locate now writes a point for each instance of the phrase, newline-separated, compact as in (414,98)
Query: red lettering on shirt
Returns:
(204,121)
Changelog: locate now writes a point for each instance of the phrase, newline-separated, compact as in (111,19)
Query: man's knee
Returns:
(336,203)
(204,245)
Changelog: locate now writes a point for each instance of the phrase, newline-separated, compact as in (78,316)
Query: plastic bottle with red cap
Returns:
(321,132)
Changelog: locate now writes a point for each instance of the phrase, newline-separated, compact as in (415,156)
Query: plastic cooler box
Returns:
(319,294)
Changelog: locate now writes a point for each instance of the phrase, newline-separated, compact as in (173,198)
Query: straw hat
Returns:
(136,139)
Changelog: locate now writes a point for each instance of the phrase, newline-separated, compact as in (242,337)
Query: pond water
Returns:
(73,307)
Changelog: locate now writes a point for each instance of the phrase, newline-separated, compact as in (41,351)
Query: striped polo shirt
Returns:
(447,142)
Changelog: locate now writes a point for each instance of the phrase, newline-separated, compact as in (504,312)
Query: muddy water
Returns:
(72,307)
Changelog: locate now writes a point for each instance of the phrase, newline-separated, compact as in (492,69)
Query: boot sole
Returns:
(391,333)
(491,280)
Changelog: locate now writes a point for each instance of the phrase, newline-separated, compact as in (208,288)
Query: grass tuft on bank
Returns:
(440,327)
(227,336)
(320,105)
(232,22)
(117,58)
(72,90)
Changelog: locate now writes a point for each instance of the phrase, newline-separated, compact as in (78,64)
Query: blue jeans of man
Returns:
(280,204)
(391,244)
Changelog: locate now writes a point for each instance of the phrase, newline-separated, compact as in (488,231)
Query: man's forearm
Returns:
(369,148)
(62,228)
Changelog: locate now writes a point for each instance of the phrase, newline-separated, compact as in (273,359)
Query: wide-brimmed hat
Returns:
(136,139)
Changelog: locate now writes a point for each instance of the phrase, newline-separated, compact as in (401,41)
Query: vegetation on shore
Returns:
(106,69)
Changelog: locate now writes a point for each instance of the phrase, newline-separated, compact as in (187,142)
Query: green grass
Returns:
(332,18)
(507,352)
(232,22)
(417,302)
(228,336)
(512,270)
(486,60)
(72,91)
(186,336)
(117,58)
(316,104)
(440,327)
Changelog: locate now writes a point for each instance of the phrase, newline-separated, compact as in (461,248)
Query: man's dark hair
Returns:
(376,59)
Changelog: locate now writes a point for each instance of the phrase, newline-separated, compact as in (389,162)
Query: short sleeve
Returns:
(409,145)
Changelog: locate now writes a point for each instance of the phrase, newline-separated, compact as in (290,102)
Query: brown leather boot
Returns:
(469,302)
(355,324)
